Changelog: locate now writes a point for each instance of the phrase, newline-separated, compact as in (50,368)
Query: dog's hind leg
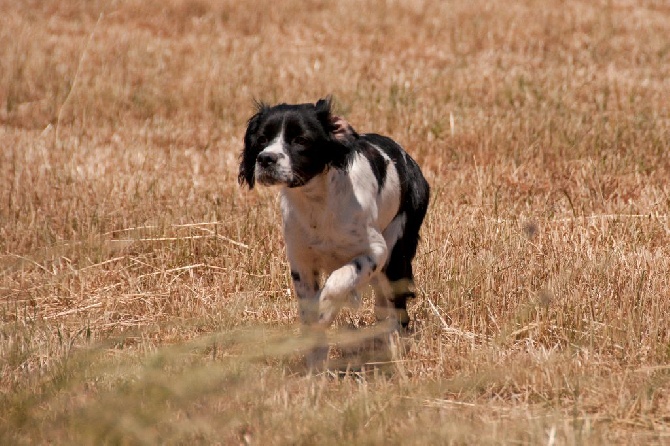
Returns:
(399,268)
(384,309)
(401,284)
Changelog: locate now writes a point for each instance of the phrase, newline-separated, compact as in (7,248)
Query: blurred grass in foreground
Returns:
(145,297)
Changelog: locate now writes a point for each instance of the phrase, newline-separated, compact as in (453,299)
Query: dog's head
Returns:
(291,144)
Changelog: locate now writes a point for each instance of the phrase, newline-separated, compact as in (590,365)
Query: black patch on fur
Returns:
(358,266)
(377,162)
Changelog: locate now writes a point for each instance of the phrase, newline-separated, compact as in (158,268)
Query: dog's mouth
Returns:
(269,176)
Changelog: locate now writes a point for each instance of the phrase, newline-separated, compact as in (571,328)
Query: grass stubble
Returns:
(145,297)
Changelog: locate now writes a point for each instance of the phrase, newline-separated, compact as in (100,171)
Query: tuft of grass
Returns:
(145,297)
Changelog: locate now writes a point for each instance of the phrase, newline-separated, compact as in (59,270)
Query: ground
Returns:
(145,296)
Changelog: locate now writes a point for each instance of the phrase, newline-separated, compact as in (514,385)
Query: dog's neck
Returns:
(315,190)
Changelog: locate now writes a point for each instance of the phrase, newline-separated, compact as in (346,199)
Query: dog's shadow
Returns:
(371,354)
(377,349)
(359,346)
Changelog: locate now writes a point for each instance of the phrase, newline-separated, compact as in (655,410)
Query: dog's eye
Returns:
(262,140)
(300,140)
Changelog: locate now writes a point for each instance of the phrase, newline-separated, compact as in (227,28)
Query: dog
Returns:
(352,206)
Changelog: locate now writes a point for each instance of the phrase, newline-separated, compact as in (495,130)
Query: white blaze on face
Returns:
(281,170)
(276,146)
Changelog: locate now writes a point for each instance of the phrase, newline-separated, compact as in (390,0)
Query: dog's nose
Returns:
(265,159)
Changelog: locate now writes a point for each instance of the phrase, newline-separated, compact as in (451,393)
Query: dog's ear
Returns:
(341,130)
(250,152)
(322,108)
(337,127)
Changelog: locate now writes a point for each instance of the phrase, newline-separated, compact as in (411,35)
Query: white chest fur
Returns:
(328,221)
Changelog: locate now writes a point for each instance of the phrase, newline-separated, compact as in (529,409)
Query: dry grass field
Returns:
(145,297)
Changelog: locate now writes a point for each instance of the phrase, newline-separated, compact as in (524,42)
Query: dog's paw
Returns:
(328,309)
(354,301)
(384,312)
(317,359)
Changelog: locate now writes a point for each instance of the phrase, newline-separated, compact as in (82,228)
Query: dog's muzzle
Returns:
(268,170)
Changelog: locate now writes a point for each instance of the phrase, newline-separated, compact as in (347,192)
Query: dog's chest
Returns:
(323,232)
(327,233)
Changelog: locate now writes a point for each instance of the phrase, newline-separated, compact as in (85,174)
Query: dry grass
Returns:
(145,297)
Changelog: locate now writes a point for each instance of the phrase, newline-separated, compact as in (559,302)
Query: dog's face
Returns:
(289,144)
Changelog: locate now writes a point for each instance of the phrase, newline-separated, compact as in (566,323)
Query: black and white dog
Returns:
(352,206)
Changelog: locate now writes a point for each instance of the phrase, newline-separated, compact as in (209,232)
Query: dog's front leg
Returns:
(306,285)
(348,279)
